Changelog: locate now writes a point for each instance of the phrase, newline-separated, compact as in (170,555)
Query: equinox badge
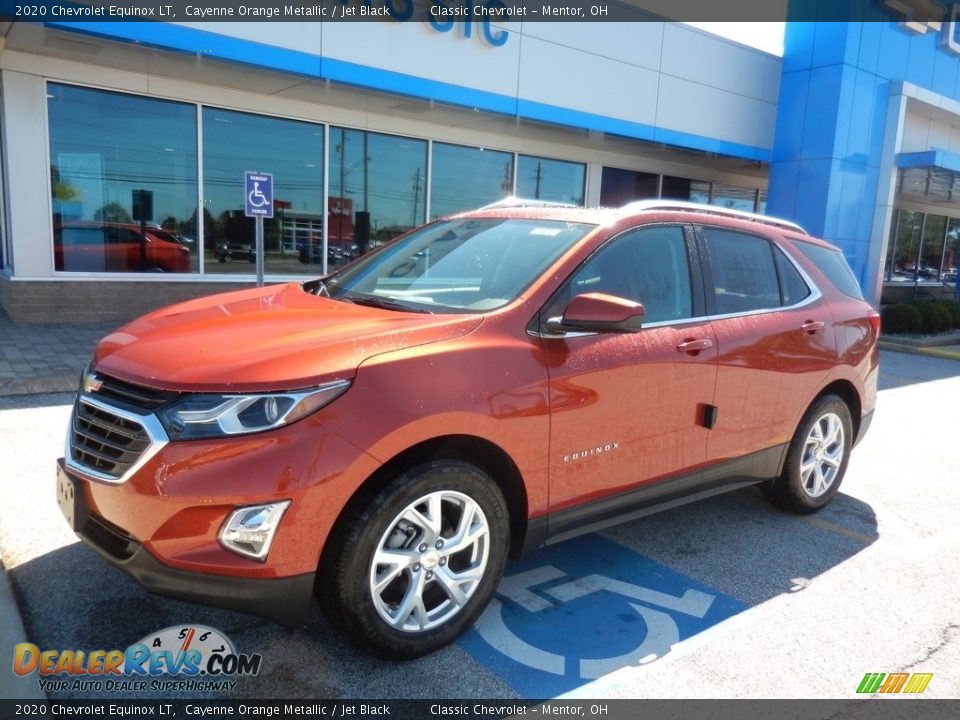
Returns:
(590,452)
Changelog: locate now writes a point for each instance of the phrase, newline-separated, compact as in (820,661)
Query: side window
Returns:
(744,276)
(647,265)
(793,288)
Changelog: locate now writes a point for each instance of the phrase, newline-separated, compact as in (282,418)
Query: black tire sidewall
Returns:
(361,620)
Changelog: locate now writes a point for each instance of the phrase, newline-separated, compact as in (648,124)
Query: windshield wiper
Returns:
(382,302)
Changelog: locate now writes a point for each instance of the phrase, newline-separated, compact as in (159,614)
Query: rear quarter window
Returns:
(834,266)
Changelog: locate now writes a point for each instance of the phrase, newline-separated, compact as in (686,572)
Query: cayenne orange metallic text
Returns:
(385,437)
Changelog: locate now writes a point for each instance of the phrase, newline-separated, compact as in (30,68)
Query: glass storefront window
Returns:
(464,178)
(734,197)
(554,180)
(762,203)
(951,253)
(931,251)
(377,190)
(292,150)
(619,187)
(123,174)
(678,188)
(904,247)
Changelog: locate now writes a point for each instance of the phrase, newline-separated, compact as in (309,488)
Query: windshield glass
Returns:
(457,265)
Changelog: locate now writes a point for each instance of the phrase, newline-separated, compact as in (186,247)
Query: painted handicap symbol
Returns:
(661,634)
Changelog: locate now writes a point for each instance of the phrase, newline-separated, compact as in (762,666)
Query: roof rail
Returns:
(642,205)
(516,202)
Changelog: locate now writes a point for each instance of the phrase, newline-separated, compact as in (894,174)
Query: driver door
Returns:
(628,410)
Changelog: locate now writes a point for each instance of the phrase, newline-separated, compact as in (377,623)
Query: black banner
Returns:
(463,11)
(854,709)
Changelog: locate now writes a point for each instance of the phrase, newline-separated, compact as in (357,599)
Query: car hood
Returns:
(274,338)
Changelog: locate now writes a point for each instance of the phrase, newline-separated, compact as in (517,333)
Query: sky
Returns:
(767,36)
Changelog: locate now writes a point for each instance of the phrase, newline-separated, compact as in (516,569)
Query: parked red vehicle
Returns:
(118,247)
(484,385)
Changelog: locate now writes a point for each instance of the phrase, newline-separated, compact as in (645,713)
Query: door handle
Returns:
(694,346)
(812,327)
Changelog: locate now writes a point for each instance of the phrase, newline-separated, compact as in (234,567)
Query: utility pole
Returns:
(539,176)
(416,195)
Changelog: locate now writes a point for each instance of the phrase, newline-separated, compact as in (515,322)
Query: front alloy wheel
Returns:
(412,566)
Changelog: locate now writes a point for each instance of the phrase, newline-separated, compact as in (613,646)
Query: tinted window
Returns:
(234,142)
(648,265)
(105,149)
(792,286)
(744,276)
(834,266)
(463,178)
(545,179)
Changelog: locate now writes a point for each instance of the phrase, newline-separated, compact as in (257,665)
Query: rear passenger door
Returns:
(775,347)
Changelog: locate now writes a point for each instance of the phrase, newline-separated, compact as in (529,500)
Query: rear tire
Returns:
(414,565)
(816,460)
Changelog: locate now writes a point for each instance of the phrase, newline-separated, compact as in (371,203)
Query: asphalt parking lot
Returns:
(727,598)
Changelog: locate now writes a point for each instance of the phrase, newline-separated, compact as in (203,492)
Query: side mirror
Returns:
(598,312)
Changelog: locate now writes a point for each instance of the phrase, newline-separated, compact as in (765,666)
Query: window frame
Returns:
(697,287)
(708,278)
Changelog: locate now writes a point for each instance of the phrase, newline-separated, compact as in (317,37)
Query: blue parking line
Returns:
(577,611)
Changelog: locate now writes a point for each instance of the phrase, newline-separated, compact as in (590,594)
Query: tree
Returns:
(113,212)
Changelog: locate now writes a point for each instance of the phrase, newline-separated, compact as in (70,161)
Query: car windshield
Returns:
(470,265)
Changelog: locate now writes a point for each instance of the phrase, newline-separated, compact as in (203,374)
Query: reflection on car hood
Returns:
(273,338)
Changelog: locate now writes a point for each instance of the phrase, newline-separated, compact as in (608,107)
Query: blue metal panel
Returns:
(930,158)
(832,44)
(920,59)
(894,51)
(946,73)
(821,112)
(798,46)
(794,88)
(782,189)
(863,135)
(834,156)
(870,37)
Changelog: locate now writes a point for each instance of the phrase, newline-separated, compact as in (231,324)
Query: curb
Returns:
(914,350)
(35,386)
(12,632)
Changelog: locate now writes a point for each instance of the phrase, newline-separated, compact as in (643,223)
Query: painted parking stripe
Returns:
(579,611)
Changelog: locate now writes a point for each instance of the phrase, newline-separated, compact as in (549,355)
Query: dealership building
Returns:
(124,144)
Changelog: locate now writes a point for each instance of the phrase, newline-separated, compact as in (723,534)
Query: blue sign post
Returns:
(258,204)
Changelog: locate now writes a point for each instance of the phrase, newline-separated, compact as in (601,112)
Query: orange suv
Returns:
(386,436)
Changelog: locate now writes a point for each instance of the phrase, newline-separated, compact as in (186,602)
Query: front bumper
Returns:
(284,600)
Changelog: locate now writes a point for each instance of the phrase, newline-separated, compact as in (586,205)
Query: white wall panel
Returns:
(590,83)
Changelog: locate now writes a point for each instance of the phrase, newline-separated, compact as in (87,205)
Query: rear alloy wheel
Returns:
(416,565)
(817,458)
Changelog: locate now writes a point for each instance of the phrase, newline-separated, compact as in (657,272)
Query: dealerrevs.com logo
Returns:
(177,658)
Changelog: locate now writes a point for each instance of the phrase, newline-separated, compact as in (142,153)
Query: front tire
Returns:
(413,567)
(817,458)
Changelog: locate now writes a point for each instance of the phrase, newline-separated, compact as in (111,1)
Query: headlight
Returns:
(206,416)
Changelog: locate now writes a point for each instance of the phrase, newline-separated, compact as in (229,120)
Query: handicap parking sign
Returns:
(258,194)
(583,609)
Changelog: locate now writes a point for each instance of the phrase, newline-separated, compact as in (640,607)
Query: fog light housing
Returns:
(249,530)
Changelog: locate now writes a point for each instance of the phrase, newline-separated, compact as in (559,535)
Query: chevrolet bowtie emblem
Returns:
(91,383)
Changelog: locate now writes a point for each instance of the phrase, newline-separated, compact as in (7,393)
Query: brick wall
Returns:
(39,301)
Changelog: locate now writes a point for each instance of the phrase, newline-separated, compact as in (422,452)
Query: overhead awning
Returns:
(930,177)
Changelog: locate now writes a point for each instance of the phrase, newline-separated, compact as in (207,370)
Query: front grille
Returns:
(113,540)
(105,442)
(138,398)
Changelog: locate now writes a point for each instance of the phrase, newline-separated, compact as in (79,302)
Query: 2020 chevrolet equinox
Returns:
(384,437)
